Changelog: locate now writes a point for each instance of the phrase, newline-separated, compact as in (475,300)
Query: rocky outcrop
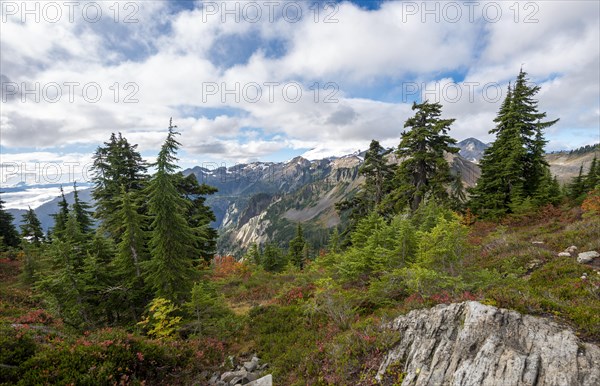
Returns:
(248,373)
(587,257)
(473,344)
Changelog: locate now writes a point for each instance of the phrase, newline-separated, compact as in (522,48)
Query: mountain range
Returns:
(263,201)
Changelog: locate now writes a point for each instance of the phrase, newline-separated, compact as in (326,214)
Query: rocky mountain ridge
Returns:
(260,201)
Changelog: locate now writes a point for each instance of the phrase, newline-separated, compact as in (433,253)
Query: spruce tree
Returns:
(513,168)
(423,171)
(199,215)
(458,195)
(132,247)
(65,287)
(576,188)
(254,254)
(82,212)
(61,218)
(296,248)
(170,271)
(548,191)
(31,228)
(592,178)
(333,245)
(377,172)
(8,232)
(273,259)
(378,175)
(116,164)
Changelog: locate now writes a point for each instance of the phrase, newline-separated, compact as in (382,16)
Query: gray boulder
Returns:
(587,257)
(267,380)
(468,344)
(252,365)
(228,376)
(564,254)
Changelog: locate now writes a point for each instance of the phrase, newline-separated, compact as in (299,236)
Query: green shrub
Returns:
(16,346)
(109,357)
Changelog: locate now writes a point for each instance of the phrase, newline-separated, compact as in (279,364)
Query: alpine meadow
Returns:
(300,193)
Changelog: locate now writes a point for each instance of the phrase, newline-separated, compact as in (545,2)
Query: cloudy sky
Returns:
(272,80)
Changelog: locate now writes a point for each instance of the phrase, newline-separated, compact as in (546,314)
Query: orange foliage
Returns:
(591,204)
(468,218)
(226,266)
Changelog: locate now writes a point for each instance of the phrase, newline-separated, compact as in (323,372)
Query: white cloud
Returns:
(170,57)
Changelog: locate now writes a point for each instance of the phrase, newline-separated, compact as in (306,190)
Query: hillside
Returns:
(315,327)
(264,201)
(566,164)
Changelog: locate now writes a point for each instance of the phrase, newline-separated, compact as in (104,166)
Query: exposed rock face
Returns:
(473,344)
(587,257)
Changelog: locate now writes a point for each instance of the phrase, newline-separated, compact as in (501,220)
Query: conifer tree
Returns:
(423,171)
(8,232)
(458,195)
(254,254)
(132,247)
(577,187)
(170,271)
(82,212)
(378,175)
(592,178)
(513,168)
(199,215)
(116,164)
(65,288)
(273,259)
(31,228)
(296,248)
(61,218)
(377,172)
(334,241)
(548,191)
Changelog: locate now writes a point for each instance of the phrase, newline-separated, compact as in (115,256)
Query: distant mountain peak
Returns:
(472,149)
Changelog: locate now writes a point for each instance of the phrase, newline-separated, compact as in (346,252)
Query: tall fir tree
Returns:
(513,168)
(529,122)
(296,248)
(60,218)
(576,188)
(423,171)
(116,164)
(31,228)
(82,211)
(65,287)
(378,175)
(377,172)
(8,232)
(333,244)
(132,247)
(501,161)
(273,259)
(170,271)
(199,215)
(592,178)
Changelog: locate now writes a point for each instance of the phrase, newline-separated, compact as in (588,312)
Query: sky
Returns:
(271,80)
